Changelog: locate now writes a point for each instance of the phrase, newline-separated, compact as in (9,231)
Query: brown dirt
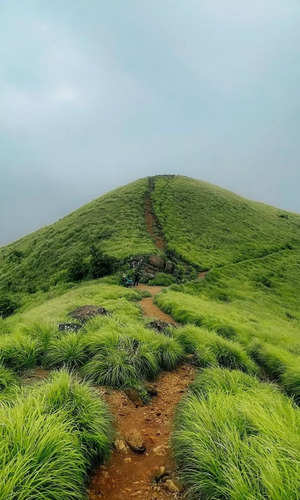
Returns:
(202,275)
(129,474)
(150,309)
(152,224)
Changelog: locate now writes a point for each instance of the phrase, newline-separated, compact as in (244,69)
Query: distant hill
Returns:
(200,223)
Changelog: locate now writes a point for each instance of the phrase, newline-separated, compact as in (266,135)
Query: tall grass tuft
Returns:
(50,437)
(280,365)
(212,350)
(235,438)
(86,411)
(68,350)
(40,455)
(19,351)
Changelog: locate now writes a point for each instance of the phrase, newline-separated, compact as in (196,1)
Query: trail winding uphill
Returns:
(141,464)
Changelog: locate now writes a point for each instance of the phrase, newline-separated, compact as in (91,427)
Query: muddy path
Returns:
(141,465)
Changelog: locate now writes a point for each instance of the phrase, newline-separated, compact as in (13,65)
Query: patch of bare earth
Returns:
(150,309)
(137,475)
(152,224)
(141,465)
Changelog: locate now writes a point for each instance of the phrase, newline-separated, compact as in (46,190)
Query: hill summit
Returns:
(196,222)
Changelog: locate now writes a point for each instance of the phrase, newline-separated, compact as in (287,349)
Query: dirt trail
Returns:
(150,309)
(151,221)
(136,475)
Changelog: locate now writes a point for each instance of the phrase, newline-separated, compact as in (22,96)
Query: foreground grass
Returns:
(50,437)
(237,438)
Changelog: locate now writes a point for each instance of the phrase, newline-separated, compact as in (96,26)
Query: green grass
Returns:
(231,302)
(209,226)
(236,438)
(210,349)
(280,365)
(49,438)
(115,222)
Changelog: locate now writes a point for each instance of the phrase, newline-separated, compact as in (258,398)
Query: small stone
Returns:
(135,440)
(151,389)
(120,445)
(128,459)
(171,486)
(160,473)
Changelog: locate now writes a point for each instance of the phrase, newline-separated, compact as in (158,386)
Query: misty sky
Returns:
(94,94)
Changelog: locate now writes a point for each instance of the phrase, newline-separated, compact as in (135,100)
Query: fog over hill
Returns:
(94,96)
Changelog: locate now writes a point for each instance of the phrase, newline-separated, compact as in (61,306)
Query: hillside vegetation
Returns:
(210,226)
(236,432)
(114,222)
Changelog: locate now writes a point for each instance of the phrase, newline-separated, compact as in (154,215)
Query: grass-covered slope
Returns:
(210,226)
(237,438)
(115,222)
(255,303)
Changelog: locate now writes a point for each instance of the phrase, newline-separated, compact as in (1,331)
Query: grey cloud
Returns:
(95,94)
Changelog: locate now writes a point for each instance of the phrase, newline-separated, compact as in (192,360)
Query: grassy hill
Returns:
(236,432)
(210,226)
(115,222)
(202,224)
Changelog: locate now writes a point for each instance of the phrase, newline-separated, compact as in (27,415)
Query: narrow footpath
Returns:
(141,465)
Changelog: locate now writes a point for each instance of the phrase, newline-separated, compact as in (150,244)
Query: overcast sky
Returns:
(94,94)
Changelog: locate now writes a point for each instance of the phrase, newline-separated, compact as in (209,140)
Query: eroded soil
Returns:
(137,475)
(152,226)
(132,475)
(150,309)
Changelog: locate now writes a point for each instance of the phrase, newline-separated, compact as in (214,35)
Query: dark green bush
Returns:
(162,279)
(7,306)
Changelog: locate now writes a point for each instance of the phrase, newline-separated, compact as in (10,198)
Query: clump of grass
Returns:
(19,351)
(40,455)
(280,365)
(169,352)
(86,411)
(237,438)
(68,350)
(50,437)
(120,361)
(212,350)
(9,382)
(220,379)
(7,378)
(44,333)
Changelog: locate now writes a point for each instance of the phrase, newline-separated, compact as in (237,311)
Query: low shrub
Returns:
(237,438)
(162,279)
(7,306)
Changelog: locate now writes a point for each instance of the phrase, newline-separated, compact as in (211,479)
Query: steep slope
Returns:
(210,226)
(202,224)
(115,222)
